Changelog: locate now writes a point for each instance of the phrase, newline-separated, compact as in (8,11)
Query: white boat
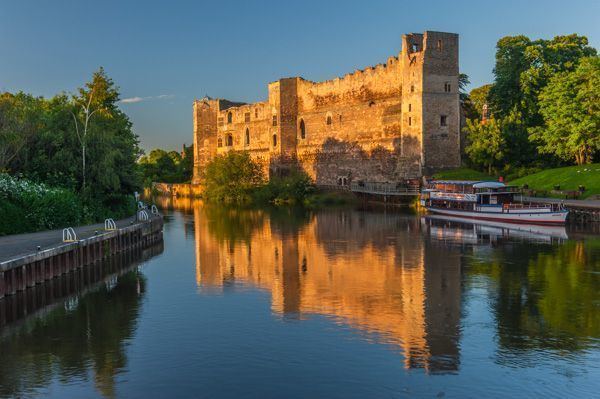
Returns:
(487,200)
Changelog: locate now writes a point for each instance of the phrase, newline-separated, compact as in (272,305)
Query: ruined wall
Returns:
(351,125)
(378,124)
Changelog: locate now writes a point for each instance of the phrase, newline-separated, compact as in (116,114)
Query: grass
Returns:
(568,178)
(463,174)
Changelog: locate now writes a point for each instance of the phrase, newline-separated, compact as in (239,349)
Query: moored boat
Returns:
(487,200)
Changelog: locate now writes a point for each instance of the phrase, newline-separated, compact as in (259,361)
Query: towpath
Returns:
(15,245)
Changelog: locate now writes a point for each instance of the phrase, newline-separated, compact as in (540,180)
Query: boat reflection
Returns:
(365,270)
(469,231)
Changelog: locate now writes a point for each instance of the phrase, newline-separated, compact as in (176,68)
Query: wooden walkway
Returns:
(385,189)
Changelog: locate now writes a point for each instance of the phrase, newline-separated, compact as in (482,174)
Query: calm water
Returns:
(337,303)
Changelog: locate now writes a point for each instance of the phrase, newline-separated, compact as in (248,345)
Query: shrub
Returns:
(231,178)
(291,189)
(28,206)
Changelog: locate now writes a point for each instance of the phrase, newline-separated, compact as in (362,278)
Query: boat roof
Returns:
(470,183)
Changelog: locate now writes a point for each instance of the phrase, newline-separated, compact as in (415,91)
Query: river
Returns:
(338,303)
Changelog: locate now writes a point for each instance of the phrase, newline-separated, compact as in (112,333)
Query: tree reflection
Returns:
(545,296)
(67,342)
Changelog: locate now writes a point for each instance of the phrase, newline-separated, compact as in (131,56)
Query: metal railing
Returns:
(384,188)
(109,224)
(69,235)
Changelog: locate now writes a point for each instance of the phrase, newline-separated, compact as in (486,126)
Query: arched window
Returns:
(220,142)
(247,141)
(229,140)
(275,140)
(302,129)
(229,117)
(329,119)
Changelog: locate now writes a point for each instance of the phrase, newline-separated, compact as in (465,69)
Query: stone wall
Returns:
(382,123)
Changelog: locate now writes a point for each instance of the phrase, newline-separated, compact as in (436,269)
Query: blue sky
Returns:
(164,54)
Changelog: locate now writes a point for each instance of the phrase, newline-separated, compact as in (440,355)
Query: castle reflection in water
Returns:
(366,270)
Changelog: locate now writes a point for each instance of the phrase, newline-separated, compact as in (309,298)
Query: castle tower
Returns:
(205,133)
(430,106)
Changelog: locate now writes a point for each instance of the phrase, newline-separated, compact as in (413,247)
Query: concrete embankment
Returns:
(23,264)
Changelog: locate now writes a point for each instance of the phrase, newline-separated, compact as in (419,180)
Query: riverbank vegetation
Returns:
(235,178)
(167,166)
(541,111)
(78,149)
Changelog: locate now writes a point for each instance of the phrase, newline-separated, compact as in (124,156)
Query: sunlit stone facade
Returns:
(383,123)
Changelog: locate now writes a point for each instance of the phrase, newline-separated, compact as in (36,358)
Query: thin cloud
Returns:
(133,100)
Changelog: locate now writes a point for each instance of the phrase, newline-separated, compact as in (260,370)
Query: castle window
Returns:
(443,120)
(302,129)
(274,140)
(247,117)
(247,141)
(256,113)
(329,119)
(229,117)
(409,107)
(229,140)
(415,47)
(274,120)
(409,121)
(371,103)
(220,121)
(439,45)
(220,142)
(447,87)
(412,88)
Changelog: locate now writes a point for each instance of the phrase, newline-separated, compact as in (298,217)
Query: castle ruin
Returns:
(386,123)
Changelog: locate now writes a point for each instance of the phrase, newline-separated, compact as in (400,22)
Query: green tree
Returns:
(523,68)
(479,97)
(161,166)
(230,178)
(570,105)
(487,145)
(98,96)
(20,118)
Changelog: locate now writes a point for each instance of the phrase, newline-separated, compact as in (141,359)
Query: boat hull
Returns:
(544,218)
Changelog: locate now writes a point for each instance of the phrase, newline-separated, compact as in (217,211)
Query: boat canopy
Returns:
(489,184)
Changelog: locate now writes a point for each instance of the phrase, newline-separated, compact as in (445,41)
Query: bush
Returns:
(232,178)
(26,206)
(291,189)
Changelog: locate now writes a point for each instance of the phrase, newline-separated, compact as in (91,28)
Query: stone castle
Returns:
(387,123)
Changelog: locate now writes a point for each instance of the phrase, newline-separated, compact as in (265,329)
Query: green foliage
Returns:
(40,140)
(478,97)
(570,105)
(20,118)
(487,146)
(28,206)
(568,178)
(523,70)
(167,167)
(293,188)
(232,177)
(463,174)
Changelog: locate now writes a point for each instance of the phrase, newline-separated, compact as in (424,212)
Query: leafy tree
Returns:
(20,119)
(42,144)
(161,166)
(487,145)
(570,105)
(230,178)
(523,68)
(479,97)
